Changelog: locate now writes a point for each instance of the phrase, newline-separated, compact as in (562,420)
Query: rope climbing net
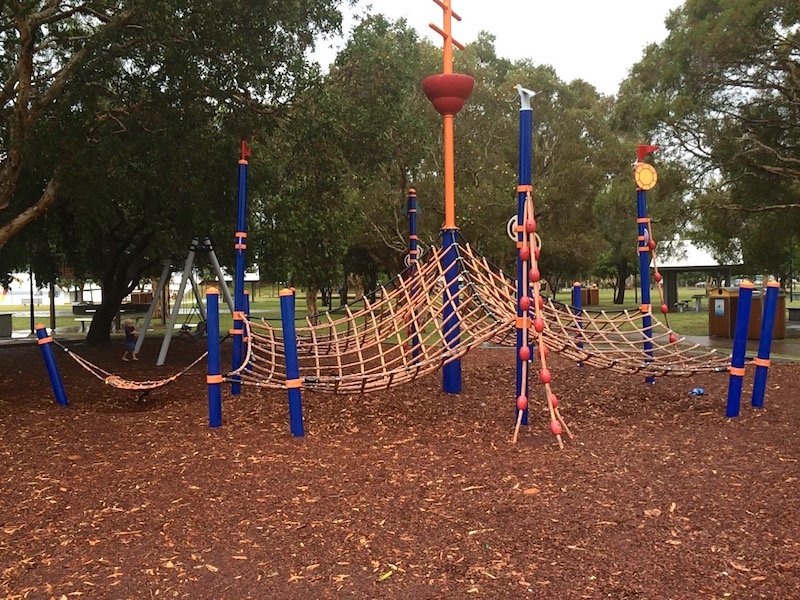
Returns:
(398,335)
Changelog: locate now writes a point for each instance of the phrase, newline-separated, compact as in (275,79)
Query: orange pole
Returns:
(449,175)
(449,152)
(447,66)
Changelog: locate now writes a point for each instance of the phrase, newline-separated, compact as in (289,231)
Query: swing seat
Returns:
(188,335)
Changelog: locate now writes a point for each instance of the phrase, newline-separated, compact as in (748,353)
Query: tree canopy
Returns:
(722,95)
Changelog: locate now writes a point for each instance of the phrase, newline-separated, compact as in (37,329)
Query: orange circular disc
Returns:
(645,176)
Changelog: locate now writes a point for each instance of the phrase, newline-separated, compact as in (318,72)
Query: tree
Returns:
(306,222)
(386,128)
(722,95)
(235,56)
(139,99)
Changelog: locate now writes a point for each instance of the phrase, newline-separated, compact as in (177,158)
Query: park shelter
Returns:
(685,256)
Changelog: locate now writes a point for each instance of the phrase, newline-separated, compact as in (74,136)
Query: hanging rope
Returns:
(125,384)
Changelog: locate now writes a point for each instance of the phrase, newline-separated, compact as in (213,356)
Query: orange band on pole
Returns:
(761,362)
(214,379)
(736,371)
(518,228)
(412,210)
(523,323)
(645,308)
(44,340)
(413,236)
(241,234)
(236,331)
(525,188)
(240,246)
(643,220)
(643,249)
(293,384)
(239,315)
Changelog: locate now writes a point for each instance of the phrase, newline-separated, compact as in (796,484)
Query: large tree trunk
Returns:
(619,284)
(311,303)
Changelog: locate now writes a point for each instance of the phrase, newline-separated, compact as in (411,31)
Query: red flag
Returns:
(643,150)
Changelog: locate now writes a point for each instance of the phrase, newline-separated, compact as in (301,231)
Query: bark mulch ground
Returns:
(408,493)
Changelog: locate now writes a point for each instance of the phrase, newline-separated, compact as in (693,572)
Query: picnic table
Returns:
(698,302)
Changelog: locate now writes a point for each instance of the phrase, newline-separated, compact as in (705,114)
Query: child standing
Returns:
(130,340)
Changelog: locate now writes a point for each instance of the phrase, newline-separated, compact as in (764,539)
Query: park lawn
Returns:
(267,306)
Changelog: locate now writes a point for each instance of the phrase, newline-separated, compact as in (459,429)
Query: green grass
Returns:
(267,306)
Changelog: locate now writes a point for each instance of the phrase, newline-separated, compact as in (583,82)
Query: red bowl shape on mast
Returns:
(448,91)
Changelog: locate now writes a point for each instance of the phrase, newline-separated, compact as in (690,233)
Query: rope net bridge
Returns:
(400,335)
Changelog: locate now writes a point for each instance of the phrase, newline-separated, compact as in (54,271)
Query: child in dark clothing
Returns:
(130,340)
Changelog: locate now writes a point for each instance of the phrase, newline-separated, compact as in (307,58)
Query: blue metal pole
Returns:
(45,342)
(577,304)
(214,378)
(240,246)
(524,180)
(765,344)
(413,256)
(739,349)
(451,372)
(644,274)
(293,381)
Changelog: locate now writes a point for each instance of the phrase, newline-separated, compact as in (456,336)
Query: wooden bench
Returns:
(682,305)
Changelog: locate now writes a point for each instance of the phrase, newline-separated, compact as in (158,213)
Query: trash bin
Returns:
(722,305)
(590,296)
(757,316)
(5,325)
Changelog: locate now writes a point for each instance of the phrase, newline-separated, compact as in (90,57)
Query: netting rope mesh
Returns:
(397,335)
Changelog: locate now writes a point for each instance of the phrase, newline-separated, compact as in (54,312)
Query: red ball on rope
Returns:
(540,301)
(664,308)
(555,427)
(525,303)
(534,275)
(522,402)
(524,353)
(543,349)
(657,277)
(524,253)
(554,400)
(538,324)
(537,252)
(544,376)
(652,244)
(530,226)
(673,338)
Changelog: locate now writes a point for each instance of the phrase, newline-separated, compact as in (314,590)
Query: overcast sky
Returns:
(594,40)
